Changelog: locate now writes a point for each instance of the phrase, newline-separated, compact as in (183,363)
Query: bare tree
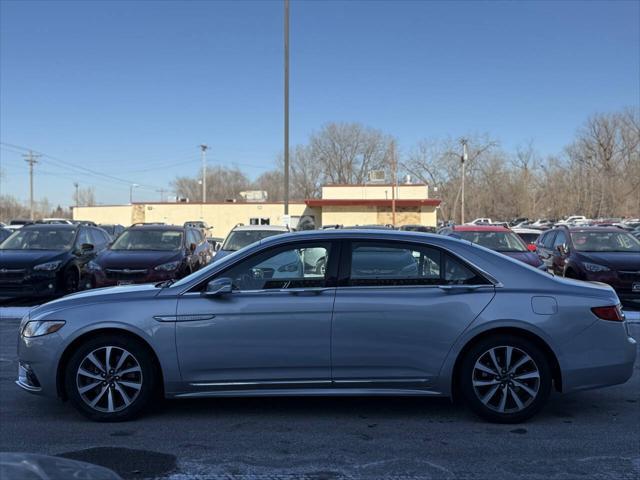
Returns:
(347,152)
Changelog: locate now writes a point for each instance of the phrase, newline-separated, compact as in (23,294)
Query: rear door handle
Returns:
(462,288)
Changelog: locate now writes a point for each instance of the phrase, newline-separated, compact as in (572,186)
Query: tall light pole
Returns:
(463,160)
(286,107)
(394,181)
(131,187)
(31,159)
(203,149)
(77,185)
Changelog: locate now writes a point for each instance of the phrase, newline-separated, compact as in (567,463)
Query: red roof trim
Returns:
(373,202)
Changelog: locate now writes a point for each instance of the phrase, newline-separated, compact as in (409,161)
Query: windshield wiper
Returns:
(166,283)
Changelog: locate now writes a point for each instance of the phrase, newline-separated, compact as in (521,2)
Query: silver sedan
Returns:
(390,313)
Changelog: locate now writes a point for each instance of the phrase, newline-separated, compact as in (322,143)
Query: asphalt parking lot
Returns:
(591,434)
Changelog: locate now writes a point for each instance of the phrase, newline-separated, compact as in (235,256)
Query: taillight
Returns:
(612,313)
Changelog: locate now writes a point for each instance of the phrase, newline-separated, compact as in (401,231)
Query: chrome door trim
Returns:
(266,382)
(184,318)
(309,382)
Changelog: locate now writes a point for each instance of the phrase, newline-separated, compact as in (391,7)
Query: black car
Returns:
(150,254)
(597,254)
(418,228)
(4,233)
(114,230)
(42,260)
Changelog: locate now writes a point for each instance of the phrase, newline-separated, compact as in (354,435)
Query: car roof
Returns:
(157,227)
(480,228)
(52,226)
(593,229)
(271,228)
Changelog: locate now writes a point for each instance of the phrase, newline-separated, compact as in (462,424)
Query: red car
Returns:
(497,238)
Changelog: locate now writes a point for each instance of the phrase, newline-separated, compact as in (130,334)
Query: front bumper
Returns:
(102,279)
(38,360)
(39,285)
(602,355)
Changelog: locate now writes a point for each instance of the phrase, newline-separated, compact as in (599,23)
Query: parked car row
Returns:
(56,258)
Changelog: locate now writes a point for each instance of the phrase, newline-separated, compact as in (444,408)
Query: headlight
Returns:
(168,267)
(49,266)
(594,267)
(37,328)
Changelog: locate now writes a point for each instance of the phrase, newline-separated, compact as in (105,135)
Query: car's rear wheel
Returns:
(110,378)
(505,378)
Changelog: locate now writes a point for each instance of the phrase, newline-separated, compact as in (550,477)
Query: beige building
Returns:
(340,205)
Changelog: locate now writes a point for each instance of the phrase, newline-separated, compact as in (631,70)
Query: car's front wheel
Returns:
(110,378)
(505,378)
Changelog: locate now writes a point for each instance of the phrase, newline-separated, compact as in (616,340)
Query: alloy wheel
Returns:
(506,379)
(109,379)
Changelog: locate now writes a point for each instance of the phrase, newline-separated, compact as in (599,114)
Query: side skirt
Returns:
(309,392)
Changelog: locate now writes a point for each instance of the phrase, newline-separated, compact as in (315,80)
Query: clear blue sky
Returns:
(127,88)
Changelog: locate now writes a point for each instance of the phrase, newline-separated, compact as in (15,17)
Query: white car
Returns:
(480,221)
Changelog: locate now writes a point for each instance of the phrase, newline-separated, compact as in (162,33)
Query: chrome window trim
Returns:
(495,282)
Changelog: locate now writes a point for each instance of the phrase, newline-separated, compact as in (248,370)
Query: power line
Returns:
(72,165)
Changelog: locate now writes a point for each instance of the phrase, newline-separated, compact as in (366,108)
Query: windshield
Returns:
(40,239)
(110,229)
(161,240)
(241,238)
(605,242)
(529,237)
(498,241)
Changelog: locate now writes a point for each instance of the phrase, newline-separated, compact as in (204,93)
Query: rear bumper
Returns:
(602,355)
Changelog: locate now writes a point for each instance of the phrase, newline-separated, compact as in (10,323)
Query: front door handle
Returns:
(304,291)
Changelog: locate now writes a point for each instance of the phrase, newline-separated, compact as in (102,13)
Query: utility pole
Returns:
(204,148)
(463,160)
(77,202)
(394,181)
(31,159)
(131,187)
(286,107)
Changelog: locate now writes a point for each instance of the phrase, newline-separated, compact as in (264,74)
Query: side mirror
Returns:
(217,247)
(532,247)
(219,286)
(192,247)
(87,248)
(562,248)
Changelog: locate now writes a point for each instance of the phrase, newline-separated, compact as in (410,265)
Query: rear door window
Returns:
(393,264)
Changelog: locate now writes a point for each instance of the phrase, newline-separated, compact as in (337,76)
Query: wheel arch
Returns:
(73,346)
(508,330)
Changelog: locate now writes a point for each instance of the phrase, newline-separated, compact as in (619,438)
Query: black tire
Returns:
(509,387)
(70,281)
(139,398)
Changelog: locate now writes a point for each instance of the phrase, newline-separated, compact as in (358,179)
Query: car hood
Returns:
(135,259)
(95,296)
(529,258)
(28,258)
(613,260)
